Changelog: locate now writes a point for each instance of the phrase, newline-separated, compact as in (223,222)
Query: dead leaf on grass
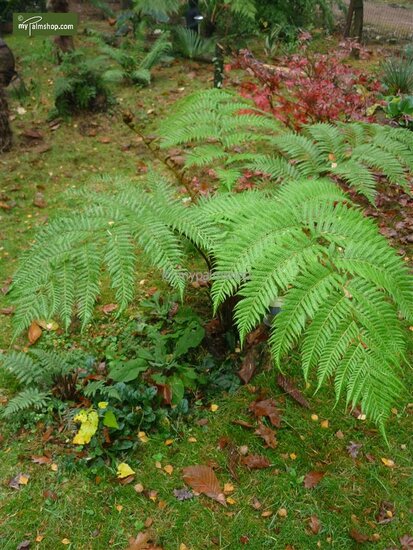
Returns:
(202,479)
(34,333)
(287,384)
(267,434)
(266,407)
(312,479)
(255,462)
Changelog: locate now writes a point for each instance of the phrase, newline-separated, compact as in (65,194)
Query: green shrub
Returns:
(191,45)
(398,75)
(81,85)
(134,65)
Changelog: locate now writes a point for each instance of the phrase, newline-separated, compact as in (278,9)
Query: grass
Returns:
(92,510)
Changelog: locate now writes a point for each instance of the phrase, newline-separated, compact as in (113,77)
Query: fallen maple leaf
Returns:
(312,479)
(407,542)
(142,542)
(267,434)
(266,407)
(255,462)
(89,421)
(41,459)
(202,479)
(34,332)
(287,384)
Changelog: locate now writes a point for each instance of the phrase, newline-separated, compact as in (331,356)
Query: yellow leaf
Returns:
(169,442)
(214,407)
(314,417)
(124,470)
(168,469)
(23,480)
(282,512)
(103,404)
(158,465)
(266,514)
(39,538)
(325,424)
(293,456)
(183,546)
(54,467)
(119,507)
(228,488)
(192,439)
(230,500)
(65,541)
(89,421)
(388,462)
(47,325)
(143,437)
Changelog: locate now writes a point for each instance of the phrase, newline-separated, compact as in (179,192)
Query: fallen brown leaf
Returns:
(108,308)
(34,332)
(287,384)
(314,525)
(143,541)
(202,479)
(243,424)
(358,537)
(267,434)
(248,365)
(255,462)
(41,459)
(312,479)
(266,407)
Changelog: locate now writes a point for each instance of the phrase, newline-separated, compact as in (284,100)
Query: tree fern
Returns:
(226,131)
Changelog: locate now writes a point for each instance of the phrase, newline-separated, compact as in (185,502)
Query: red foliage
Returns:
(310,87)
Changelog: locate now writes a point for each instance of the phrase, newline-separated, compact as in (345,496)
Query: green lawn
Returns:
(85,504)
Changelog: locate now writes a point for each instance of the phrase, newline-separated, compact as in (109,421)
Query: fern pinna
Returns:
(227,132)
(343,287)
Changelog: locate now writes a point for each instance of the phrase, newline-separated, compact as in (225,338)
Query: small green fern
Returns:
(31,398)
(40,372)
(342,293)
(134,66)
(226,131)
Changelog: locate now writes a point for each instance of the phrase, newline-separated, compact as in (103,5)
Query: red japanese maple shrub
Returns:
(310,87)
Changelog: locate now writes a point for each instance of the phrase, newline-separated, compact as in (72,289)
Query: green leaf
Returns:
(178,389)
(126,372)
(110,421)
(191,337)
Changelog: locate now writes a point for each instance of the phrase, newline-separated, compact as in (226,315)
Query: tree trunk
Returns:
(5,130)
(356,11)
(63,43)
(218,62)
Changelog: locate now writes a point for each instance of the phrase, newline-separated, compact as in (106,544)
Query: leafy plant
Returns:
(342,295)
(158,9)
(81,85)
(228,133)
(134,66)
(43,374)
(398,75)
(191,45)
(310,87)
(400,108)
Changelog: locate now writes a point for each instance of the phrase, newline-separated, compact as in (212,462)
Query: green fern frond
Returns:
(27,399)
(236,136)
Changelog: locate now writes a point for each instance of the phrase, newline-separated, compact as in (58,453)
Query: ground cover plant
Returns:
(150,400)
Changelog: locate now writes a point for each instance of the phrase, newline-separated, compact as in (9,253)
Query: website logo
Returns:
(45,24)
